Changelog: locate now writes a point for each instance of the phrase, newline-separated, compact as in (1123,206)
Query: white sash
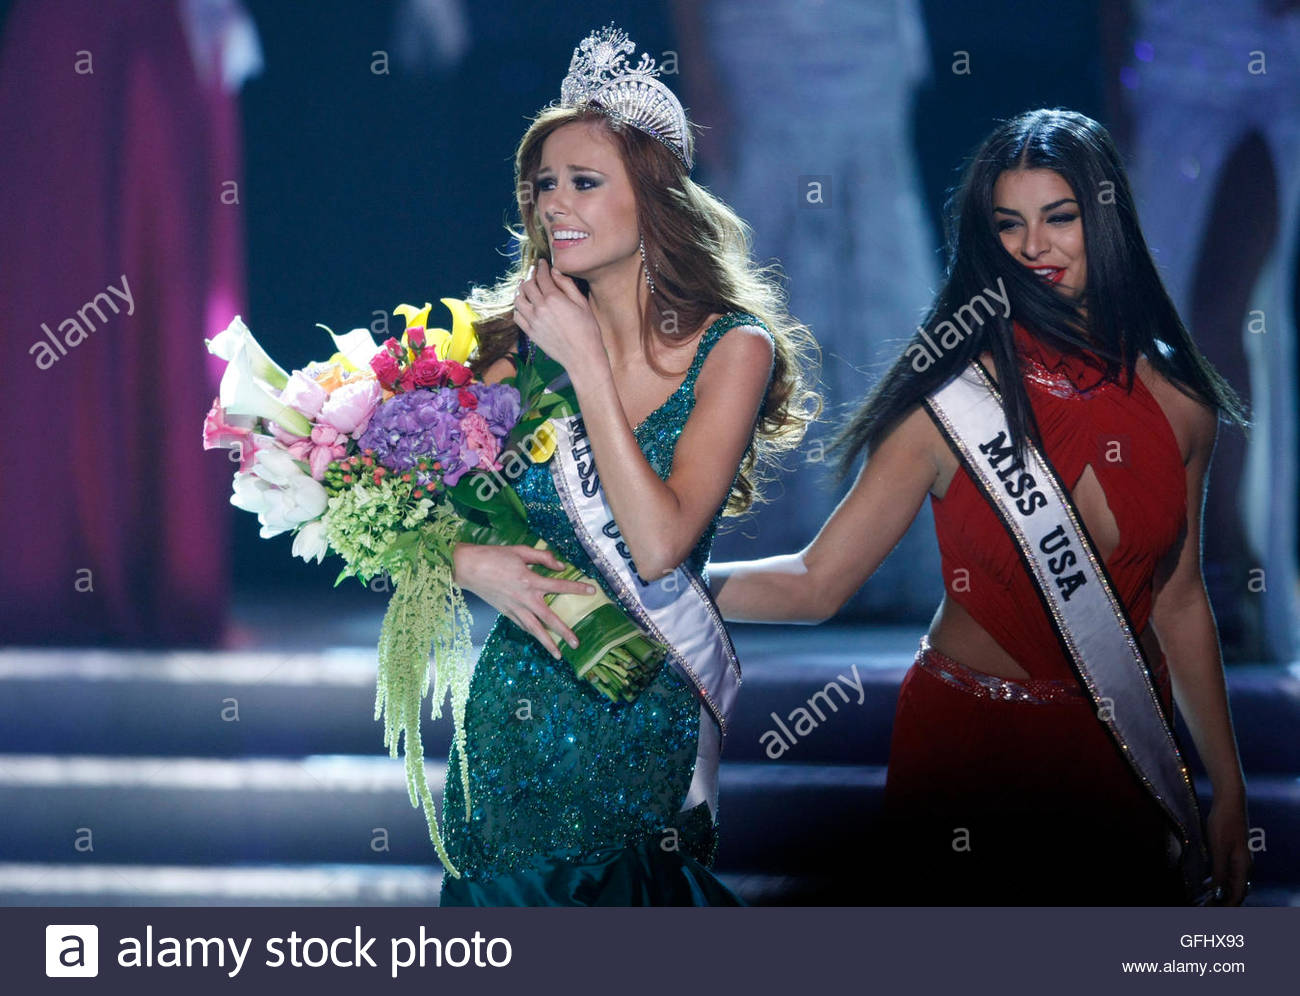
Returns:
(1090,620)
(677,610)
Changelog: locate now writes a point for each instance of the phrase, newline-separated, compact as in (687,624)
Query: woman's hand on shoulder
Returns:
(812,585)
(502,577)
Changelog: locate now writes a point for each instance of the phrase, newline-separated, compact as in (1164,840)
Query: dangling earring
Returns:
(646,266)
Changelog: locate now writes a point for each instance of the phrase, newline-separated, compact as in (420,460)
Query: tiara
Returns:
(601,76)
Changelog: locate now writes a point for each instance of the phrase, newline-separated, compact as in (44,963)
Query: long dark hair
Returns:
(1125,311)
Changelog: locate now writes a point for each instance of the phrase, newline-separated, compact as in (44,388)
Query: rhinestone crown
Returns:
(601,76)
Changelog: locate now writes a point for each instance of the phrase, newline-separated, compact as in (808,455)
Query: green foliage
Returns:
(375,526)
(427,610)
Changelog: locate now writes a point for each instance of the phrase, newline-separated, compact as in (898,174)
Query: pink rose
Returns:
(415,338)
(458,373)
(429,370)
(386,369)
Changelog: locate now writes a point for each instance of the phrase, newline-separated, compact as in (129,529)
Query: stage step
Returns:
(781,817)
(357,885)
(254,776)
(297,703)
(336,809)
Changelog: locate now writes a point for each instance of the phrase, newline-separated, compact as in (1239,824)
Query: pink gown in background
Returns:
(120,140)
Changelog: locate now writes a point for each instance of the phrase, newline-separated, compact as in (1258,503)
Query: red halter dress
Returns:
(1012,791)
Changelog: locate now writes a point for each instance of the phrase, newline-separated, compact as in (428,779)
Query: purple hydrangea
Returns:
(412,425)
(499,404)
(424,423)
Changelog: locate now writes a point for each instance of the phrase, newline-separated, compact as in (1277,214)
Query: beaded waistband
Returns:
(1033,691)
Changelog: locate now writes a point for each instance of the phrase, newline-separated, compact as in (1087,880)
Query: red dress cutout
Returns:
(1006,801)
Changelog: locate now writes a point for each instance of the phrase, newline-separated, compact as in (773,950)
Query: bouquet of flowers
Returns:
(388,455)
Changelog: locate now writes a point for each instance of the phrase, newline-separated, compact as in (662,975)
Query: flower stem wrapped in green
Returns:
(613,654)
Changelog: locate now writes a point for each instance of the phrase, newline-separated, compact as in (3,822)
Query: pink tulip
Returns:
(325,446)
(321,457)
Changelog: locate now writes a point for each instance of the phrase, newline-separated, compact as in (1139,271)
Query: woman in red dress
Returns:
(1004,784)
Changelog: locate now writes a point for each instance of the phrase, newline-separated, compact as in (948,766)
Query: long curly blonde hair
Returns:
(700,252)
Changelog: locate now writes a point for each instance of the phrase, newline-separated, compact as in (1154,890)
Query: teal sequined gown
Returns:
(576,800)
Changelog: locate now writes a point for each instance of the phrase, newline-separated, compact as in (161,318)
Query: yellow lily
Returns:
(541,442)
(463,339)
(415,317)
(457,344)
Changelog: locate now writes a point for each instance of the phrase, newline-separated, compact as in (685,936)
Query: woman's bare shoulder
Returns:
(1193,422)
(500,369)
(915,437)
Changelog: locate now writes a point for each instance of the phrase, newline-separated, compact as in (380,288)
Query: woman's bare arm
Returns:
(812,585)
(662,520)
(1184,623)
(1180,607)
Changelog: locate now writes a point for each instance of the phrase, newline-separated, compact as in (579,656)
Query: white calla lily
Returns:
(356,347)
(241,394)
(236,338)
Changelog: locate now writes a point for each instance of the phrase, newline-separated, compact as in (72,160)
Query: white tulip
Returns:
(249,492)
(275,466)
(278,492)
(310,543)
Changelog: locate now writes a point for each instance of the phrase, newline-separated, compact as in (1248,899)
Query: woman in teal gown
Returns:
(627,270)
(555,767)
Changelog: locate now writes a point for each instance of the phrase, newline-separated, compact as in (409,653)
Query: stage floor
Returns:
(256,774)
